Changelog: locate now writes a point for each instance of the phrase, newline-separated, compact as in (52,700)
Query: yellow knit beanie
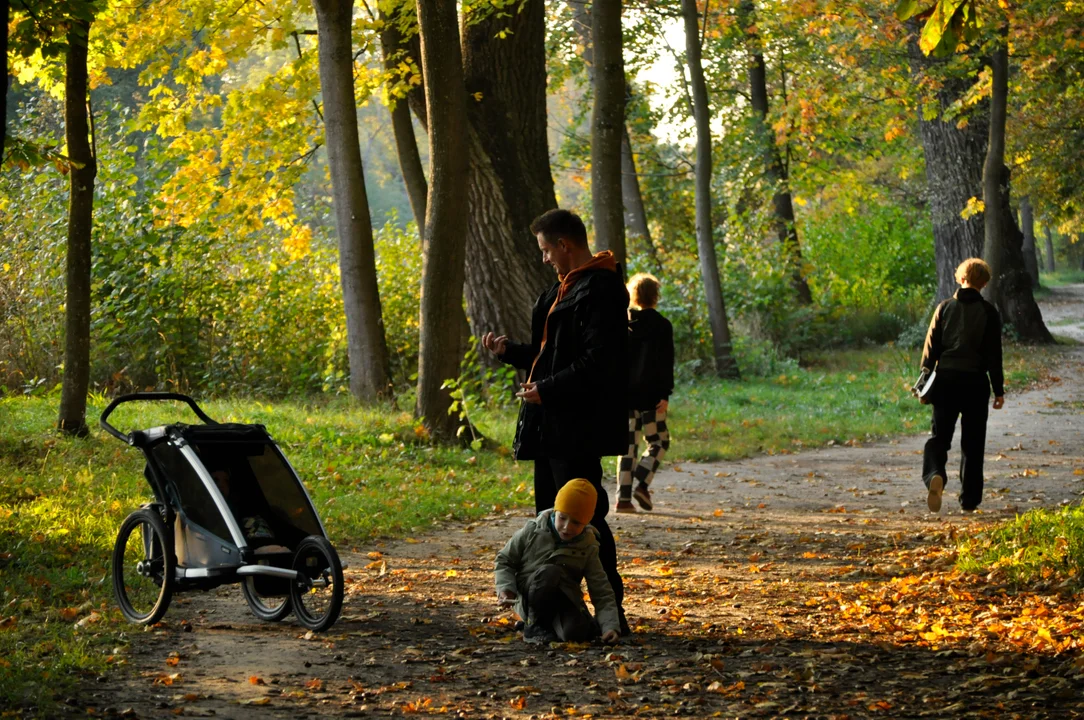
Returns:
(577,499)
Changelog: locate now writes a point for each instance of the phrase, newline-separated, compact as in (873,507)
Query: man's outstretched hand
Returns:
(999,402)
(495,344)
(610,637)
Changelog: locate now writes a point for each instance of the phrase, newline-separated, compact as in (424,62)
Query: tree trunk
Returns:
(1010,286)
(631,197)
(446,218)
(725,366)
(406,144)
(994,175)
(366,345)
(775,170)
(1027,225)
(954,158)
(1049,249)
(607,125)
(509,182)
(83,169)
(4,13)
(1017,304)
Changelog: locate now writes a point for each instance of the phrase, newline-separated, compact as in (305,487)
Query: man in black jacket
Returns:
(573,410)
(963,344)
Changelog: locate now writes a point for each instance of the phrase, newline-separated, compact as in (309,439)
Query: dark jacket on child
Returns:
(965,336)
(651,359)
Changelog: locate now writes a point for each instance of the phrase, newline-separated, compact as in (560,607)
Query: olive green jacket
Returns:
(537,544)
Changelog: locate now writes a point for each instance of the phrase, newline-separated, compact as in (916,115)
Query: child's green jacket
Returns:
(537,544)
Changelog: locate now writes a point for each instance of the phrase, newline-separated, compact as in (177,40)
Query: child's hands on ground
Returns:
(610,637)
(506,598)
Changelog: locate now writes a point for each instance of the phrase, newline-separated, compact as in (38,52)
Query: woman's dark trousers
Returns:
(550,475)
(963,395)
(548,606)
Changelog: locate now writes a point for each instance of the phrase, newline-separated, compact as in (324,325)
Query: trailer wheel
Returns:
(143,567)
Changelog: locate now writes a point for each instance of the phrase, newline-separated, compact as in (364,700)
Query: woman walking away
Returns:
(651,380)
(964,346)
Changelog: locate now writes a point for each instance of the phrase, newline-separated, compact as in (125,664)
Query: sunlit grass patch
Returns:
(840,396)
(62,501)
(1042,544)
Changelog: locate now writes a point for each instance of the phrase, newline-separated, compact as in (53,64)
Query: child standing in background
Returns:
(651,380)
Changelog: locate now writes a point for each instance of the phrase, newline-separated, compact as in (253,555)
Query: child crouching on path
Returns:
(541,568)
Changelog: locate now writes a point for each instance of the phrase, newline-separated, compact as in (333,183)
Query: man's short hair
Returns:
(974,271)
(643,290)
(557,223)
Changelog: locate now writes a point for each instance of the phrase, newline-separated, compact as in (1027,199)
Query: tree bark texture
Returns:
(446,218)
(406,143)
(1017,301)
(1030,250)
(775,170)
(607,126)
(83,169)
(725,366)
(509,182)
(5,7)
(1010,286)
(994,176)
(631,197)
(954,159)
(1049,237)
(366,345)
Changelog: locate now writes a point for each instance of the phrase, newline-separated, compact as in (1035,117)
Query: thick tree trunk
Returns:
(994,176)
(83,169)
(406,143)
(446,219)
(5,6)
(1017,304)
(1010,286)
(509,184)
(954,159)
(607,126)
(1027,225)
(775,170)
(1049,238)
(366,345)
(725,366)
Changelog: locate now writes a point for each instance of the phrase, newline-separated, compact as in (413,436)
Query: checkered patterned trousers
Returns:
(650,424)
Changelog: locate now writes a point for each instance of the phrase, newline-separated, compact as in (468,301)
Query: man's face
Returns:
(567,527)
(558,256)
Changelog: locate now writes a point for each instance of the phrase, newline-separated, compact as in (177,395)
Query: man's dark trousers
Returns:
(550,475)
(963,395)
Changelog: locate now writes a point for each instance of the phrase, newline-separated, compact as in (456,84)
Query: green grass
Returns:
(370,475)
(1061,278)
(62,501)
(1039,545)
(839,396)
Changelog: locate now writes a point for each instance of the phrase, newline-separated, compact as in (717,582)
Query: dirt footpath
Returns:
(805,585)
